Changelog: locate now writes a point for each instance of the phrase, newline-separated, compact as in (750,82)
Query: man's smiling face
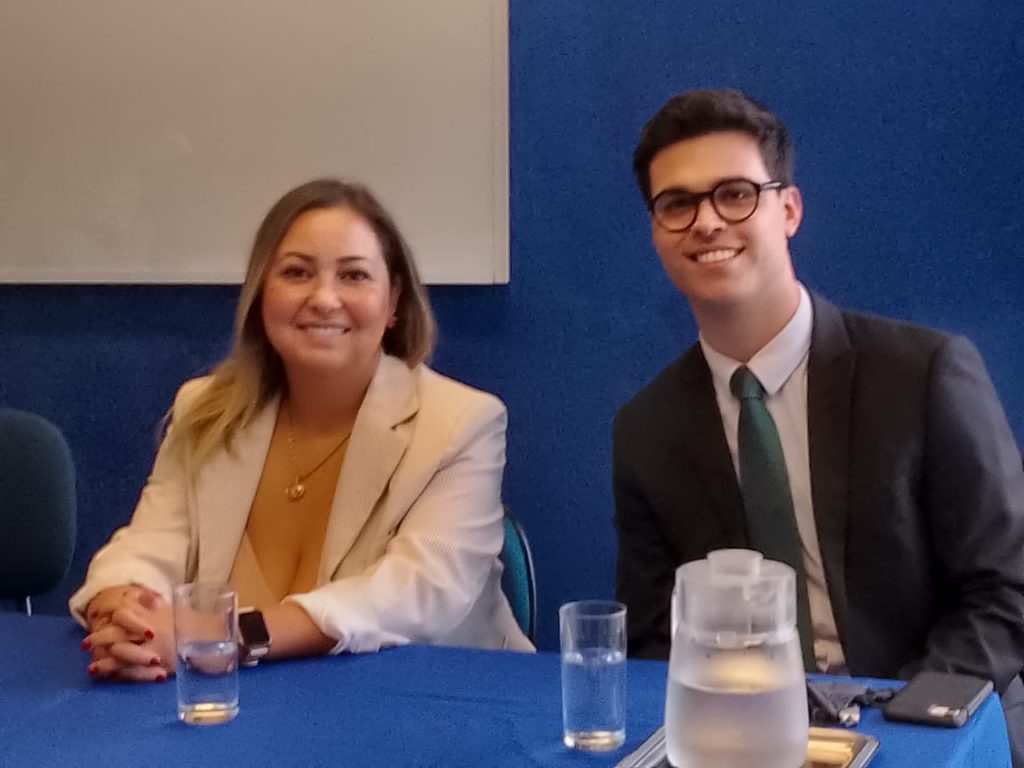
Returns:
(715,263)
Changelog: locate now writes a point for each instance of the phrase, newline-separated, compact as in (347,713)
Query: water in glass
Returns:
(207,672)
(593,698)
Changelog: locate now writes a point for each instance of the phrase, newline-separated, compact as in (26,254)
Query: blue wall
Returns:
(909,154)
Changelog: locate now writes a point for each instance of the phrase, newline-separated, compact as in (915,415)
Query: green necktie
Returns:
(767,501)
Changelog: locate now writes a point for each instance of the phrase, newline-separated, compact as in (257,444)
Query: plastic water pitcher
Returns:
(736,696)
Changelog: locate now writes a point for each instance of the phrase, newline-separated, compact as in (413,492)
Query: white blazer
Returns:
(410,552)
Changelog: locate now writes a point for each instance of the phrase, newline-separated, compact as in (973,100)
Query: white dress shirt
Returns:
(781,367)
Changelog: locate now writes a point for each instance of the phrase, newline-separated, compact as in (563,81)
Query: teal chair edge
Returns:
(519,580)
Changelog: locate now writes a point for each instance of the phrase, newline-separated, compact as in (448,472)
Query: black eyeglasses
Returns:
(734,200)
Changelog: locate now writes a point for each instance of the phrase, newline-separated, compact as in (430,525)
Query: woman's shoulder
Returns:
(436,408)
(439,392)
(456,413)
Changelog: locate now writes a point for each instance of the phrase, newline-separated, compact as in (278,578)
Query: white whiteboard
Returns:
(143,140)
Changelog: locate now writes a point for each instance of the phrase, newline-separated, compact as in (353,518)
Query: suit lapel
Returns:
(702,432)
(225,489)
(830,369)
(376,447)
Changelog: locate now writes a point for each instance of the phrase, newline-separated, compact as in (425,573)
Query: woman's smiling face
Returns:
(327,296)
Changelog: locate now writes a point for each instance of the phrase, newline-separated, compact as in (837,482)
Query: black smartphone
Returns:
(938,698)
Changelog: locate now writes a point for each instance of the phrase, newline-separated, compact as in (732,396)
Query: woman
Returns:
(341,486)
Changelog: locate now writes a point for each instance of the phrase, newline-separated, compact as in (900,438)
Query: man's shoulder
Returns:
(892,330)
(879,337)
(648,406)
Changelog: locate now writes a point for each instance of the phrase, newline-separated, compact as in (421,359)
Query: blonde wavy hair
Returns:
(252,374)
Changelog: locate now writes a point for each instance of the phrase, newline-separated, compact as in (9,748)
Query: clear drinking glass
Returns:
(593,636)
(206,643)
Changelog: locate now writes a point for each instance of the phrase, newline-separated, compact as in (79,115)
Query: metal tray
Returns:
(839,748)
(826,748)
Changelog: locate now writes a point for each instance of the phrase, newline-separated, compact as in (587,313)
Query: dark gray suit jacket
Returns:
(917,488)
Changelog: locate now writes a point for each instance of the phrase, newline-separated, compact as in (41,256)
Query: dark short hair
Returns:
(699,112)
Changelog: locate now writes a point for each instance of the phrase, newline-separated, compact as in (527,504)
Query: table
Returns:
(413,706)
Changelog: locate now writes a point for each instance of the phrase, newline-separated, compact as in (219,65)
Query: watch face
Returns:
(253,629)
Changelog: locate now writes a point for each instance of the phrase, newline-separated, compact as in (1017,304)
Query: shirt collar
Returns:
(775,362)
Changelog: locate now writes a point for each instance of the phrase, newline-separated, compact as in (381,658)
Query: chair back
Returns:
(37,506)
(518,581)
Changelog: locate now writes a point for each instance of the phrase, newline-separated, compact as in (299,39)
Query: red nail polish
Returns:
(149,634)
(161,677)
(86,645)
(92,669)
(155,661)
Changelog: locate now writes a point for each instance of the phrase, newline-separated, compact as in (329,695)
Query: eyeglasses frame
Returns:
(700,197)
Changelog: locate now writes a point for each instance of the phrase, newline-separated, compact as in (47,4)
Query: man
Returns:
(902,480)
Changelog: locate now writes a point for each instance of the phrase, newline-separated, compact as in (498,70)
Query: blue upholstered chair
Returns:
(519,581)
(37,506)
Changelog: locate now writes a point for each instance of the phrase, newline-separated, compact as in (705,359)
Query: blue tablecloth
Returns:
(415,706)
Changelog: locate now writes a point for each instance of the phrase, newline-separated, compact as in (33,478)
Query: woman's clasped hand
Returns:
(131,635)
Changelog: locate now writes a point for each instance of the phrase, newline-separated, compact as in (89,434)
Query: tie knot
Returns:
(744,384)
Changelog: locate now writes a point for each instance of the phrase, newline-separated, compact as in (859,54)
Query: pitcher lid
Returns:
(736,598)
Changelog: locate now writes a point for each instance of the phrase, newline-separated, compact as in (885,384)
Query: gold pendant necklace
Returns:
(297,489)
